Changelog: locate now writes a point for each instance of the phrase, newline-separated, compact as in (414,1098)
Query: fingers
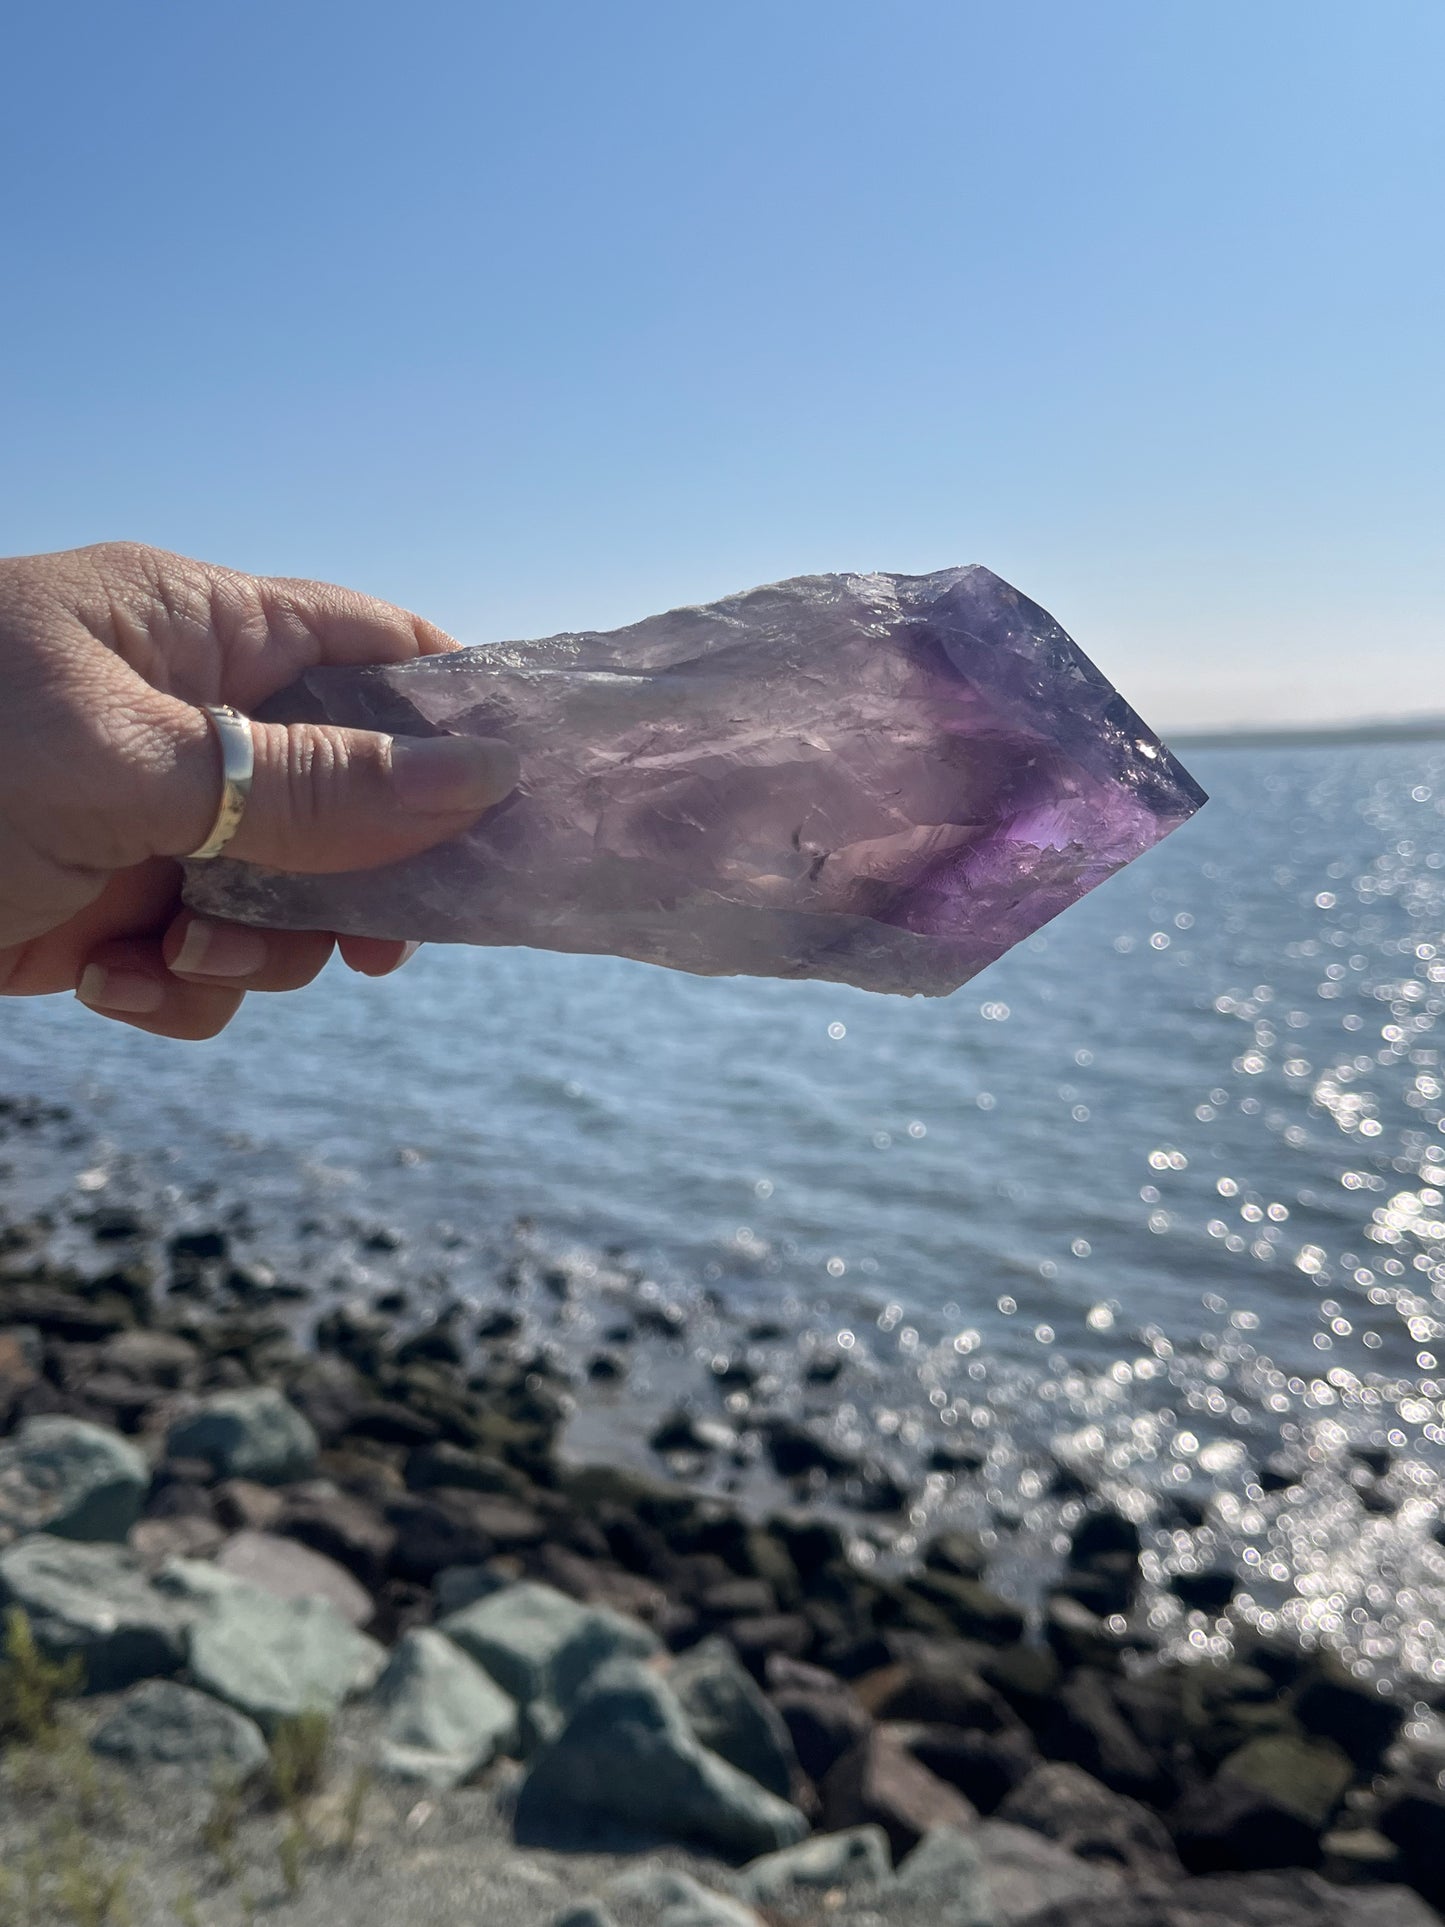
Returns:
(128,981)
(342,625)
(114,762)
(374,956)
(190,982)
(207,952)
(220,632)
(323,799)
(230,955)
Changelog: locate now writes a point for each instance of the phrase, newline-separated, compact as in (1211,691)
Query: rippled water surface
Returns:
(1160,1194)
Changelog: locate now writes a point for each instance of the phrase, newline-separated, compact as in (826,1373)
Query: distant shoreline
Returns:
(1408,729)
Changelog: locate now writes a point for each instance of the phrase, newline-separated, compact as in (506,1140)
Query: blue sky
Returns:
(553,313)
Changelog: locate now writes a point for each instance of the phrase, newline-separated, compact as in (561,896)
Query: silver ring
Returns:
(238,766)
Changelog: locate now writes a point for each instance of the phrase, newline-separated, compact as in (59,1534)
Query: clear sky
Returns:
(553,313)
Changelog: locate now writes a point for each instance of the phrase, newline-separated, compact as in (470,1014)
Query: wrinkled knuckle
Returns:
(132,561)
(318,775)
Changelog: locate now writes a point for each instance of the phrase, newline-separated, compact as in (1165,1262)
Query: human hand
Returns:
(109,774)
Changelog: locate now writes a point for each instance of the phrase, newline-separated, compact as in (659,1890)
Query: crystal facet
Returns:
(881,780)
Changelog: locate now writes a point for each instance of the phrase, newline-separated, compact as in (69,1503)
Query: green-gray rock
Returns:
(515,1635)
(247,1435)
(75,1480)
(829,1862)
(1022,1874)
(95,1601)
(600,1636)
(163,1722)
(730,1716)
(1306,1777)
(443,1718)
(629,1760)
(586,1913)
(273,1658)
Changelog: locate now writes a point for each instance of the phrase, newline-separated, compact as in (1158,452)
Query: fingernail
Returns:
(442,775)
(408,952)
(123,990)
(219,950)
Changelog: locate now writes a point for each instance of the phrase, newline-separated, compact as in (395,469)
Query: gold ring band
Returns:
(238,766)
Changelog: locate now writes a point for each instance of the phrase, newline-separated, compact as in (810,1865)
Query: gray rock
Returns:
(456,1587)
(709,1910)
(290,1570)
(1309,1777)
(515,1634)
(1069,1806)
(1389,1907)
(272,1658)
(78,1481)
(960,1552)
(443,1718)
(587,1913)
(944,1883)
(627,1760)
(1266,1807)
(161,1721)
(1025,1873)
(247,1435)
(599,1636)
(673,1899)
(649,1889)
(158,1358)
(97,1602)
(829,1862)
(880,1783)
(824,1721)
(1290,1898)
(728,1713)
(539,1722)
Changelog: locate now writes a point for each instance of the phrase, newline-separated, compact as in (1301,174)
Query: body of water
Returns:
(1158,1196)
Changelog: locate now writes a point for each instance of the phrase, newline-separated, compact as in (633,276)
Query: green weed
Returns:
(57,1875)
(62,1772)
(294,1843)
(353,1810)
(31,1686)
(222,1823)
(92,1895)
(300,1755)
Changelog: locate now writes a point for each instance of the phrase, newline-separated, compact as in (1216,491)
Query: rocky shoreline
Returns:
(611,1696)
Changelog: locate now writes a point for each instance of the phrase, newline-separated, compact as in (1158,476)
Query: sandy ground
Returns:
(442,1860)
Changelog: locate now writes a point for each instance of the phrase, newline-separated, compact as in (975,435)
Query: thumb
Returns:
(323,798)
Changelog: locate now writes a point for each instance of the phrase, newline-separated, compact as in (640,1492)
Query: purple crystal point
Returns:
(881,780)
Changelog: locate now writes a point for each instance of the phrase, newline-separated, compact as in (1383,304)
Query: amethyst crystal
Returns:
(882,780)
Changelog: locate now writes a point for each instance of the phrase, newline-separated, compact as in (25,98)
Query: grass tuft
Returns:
(293,1847)
(300,1758)
(58,1876)
(353,1810)
(221,1826)
(32,1688)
